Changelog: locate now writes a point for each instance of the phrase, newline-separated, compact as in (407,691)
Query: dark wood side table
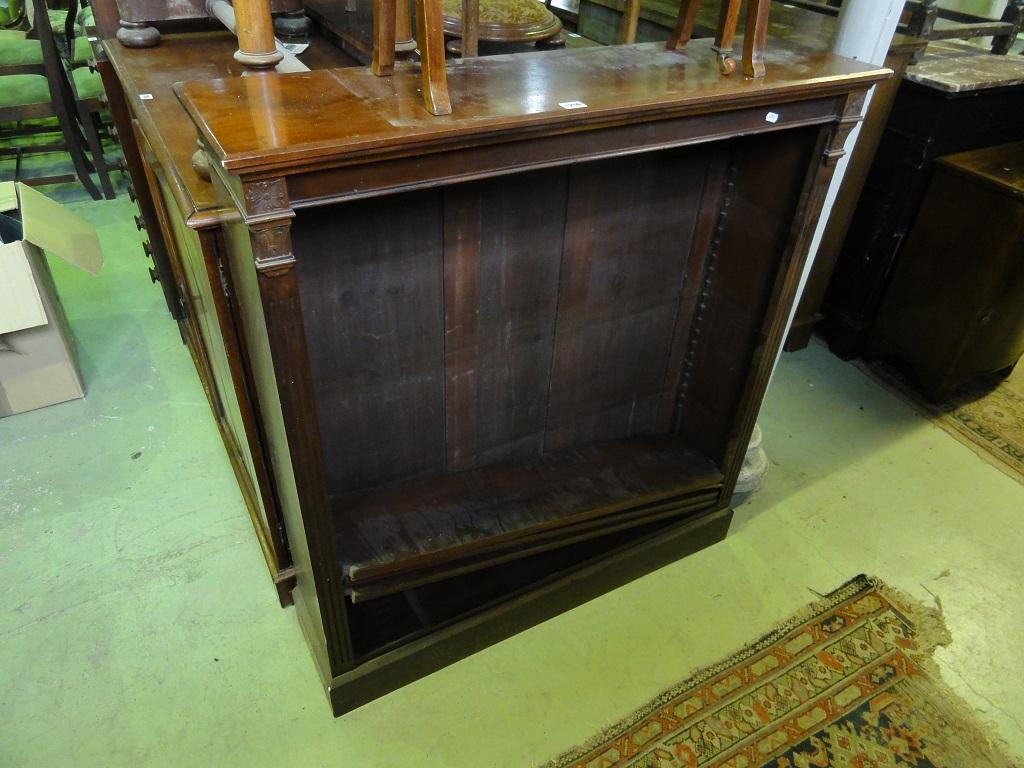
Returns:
(182,218)
(957,99)
(954,309)
(510,358)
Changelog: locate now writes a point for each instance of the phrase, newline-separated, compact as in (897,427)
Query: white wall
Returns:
(864,32)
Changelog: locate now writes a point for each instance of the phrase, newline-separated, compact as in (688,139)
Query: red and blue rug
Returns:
(848,683)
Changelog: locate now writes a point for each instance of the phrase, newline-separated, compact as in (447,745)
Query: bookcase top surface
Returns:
(267,122)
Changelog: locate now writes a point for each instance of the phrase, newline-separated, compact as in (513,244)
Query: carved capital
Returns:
(855,104)
(267,196)
(846,124)
(272,247)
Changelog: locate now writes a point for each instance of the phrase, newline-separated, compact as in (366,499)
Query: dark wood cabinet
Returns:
(507,359)
(954,308)
(957,99)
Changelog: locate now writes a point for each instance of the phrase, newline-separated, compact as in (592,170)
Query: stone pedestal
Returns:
(755,467)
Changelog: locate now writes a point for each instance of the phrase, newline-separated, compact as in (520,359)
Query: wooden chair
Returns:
(86,86)
(37,86)
(430,40)
(753,36)
(257,51)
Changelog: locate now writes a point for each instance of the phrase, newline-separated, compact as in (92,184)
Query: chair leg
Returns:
(1013,14)
(727,18)
(383,62)
(99,164)
(754,38)
(430,36)
(684,25)
(62,99)
(630,20)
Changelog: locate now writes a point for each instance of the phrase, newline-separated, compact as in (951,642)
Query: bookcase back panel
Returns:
(504,319)
(501,319)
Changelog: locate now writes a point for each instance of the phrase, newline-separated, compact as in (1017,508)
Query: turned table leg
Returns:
(470,28)
(405,40)
(137,34)
(255,31)
(292,24)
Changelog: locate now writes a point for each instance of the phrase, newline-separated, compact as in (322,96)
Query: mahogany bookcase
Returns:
(507,359)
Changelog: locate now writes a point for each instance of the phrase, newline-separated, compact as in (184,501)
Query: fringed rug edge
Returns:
(940,418)
(931,631)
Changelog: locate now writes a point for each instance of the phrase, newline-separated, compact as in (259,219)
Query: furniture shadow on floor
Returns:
(857,412)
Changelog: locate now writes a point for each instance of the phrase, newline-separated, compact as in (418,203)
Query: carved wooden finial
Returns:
(201,163)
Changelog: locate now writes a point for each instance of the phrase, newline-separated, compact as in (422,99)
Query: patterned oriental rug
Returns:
(987,416)
(848,683)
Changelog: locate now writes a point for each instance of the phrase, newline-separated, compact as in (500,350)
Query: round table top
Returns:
(505,21)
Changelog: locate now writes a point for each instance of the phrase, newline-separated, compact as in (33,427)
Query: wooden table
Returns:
(510,358)
(182,218)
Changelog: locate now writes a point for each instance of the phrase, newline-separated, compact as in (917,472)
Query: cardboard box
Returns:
(38,365)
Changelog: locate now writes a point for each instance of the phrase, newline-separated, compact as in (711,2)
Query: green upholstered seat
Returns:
(21,90)
(88,85)
(17,49)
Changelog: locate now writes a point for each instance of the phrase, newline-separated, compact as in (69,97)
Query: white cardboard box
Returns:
(38,365)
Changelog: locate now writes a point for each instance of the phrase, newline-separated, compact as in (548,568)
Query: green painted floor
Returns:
(139,626)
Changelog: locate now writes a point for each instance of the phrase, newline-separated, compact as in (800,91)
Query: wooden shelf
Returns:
(528,546)
(394,536)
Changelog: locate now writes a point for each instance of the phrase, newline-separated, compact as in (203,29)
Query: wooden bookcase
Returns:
(508,359)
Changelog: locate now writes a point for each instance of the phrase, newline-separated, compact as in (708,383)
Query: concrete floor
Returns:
(139,626)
